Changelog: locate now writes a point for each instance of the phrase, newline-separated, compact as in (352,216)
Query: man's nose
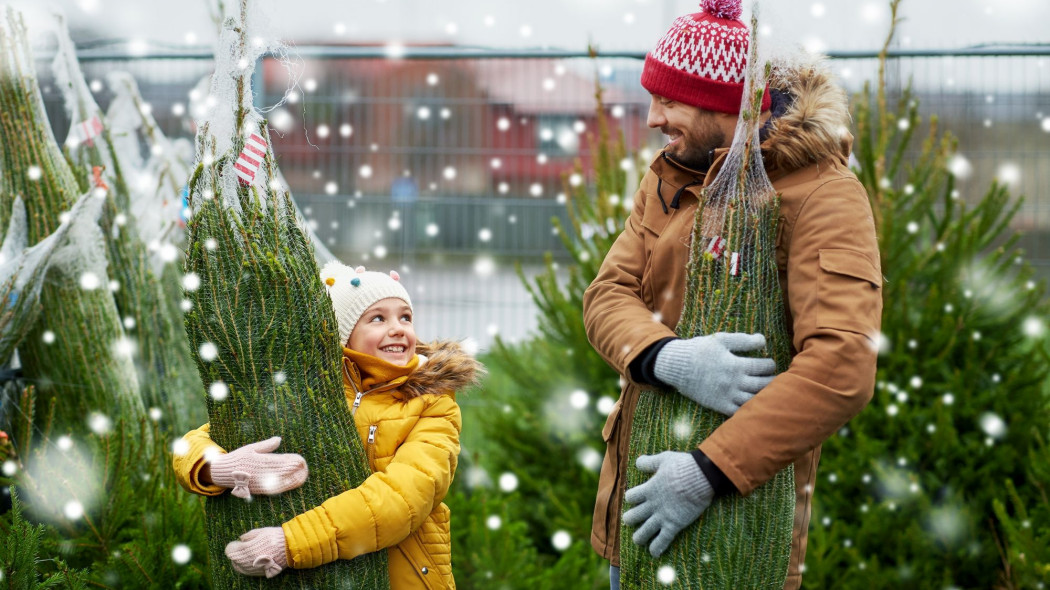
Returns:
(656,115)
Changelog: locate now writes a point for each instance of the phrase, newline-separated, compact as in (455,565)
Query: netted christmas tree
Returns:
(22,269)
(544,400)
(907,493)
(76,352)
(262,327)
(731,286)
(155,338)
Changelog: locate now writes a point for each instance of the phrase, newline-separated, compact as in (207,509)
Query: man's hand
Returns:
(705,370)
(259,552)
(256,469)
(670,501)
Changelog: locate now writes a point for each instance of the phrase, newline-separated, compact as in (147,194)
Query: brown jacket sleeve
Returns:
(835,299)
(614,298)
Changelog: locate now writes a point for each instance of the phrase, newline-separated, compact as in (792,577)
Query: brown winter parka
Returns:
(830,273)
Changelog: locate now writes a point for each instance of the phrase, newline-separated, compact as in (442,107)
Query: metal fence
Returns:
(449,164)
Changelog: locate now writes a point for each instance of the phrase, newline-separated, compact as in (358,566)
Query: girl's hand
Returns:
(256,469)
(259,552)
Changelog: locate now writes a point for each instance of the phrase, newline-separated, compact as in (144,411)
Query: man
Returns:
(828,261)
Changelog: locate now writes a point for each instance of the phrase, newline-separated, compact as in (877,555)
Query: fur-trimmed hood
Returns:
(447,369)
(813,119)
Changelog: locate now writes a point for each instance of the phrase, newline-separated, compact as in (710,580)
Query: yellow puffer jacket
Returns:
(411,435)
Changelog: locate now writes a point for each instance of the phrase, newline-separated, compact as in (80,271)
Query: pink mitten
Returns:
(256,469)
(259,552)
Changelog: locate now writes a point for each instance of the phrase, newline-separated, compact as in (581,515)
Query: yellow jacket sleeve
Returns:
(190,453)
(391,504)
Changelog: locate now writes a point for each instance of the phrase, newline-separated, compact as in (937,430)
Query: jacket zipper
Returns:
(370,447)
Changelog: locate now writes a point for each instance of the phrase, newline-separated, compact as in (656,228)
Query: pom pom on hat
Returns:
(353,291)
(727,9)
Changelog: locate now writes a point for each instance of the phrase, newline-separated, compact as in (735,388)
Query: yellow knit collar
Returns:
(369,372)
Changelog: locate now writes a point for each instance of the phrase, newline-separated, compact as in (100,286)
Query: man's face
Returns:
(693,132)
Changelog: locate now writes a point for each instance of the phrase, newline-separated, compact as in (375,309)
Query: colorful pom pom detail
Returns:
(355,282)
(726,9)
(359,269)
(394,275)
(329,281)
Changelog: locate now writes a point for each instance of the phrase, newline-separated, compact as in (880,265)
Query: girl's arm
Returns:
(390,504)
(190,462)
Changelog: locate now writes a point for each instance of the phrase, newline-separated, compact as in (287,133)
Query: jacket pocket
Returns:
(418,559)
(849,289)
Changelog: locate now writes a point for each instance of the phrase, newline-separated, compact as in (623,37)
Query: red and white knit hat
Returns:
(702,58)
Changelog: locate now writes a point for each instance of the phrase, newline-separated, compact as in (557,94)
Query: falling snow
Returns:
(181,554)
(508,482)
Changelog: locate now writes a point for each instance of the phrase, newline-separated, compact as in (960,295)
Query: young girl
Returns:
(405,410)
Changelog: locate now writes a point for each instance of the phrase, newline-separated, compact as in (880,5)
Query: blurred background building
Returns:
(407,146)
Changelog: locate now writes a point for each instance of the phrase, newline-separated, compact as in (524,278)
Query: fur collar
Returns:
(815,123)
(447,369)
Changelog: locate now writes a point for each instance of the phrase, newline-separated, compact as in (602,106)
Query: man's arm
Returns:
(618,323)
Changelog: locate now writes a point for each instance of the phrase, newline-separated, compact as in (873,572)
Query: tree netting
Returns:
(157,184)
(76,352)
(263,329)
(22,269)
(156,340)
(731,286)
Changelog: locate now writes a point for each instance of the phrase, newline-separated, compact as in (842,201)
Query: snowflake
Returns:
(208,352)
(494,522)
(218,391)
(561,540)
(89,281)
(508,482)
(181,554)
(579,399)
(666,575)
(99,423)
(590,458)
(73,510)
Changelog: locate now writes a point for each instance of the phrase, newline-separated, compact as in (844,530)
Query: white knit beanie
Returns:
(354,290)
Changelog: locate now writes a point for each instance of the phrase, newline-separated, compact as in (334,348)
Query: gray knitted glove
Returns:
(705,370)
(259,552)
(670,501)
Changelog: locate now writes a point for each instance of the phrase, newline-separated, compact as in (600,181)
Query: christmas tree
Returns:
(738,542)
(77,352)
(907,490)
(155,338)
(263,328)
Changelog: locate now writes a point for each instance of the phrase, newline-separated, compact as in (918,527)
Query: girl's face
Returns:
(385,331)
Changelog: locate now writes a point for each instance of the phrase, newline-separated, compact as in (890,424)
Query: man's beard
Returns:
(694,149)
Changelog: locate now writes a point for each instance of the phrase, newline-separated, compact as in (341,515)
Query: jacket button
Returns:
(425,570)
